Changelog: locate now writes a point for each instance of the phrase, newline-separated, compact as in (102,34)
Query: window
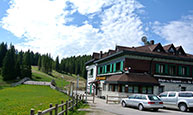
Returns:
(161,89)
(172,94)
(123,88)
(144,97)
(144,90)
(116,88)
(110,87)
(172,70)
(130,89)
(136,89)
(184,70)
(163,95)
(132,97)
(108,68)
(185,94)
(138,97)
(149,90)
(104,87)
(161,68)
(91,73)
(183,88)
(153,98)
(118,66)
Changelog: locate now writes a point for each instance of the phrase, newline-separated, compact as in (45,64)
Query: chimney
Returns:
(152,42)
(100,55)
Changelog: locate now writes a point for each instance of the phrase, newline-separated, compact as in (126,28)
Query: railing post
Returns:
(51,107)
(32,112)
(56,109)
(107,99)
(39,112)
(62,106)
(66,112)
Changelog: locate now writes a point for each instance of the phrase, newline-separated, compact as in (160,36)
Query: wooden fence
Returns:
(68,105)
(114,98)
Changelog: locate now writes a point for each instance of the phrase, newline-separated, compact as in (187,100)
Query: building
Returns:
(151,69)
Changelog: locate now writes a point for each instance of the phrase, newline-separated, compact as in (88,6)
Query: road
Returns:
(101,108)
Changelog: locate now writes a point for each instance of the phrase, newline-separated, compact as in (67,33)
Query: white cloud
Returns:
(179,32)
(42,24)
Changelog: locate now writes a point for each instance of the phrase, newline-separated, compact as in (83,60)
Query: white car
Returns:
(182,100)
(143,101)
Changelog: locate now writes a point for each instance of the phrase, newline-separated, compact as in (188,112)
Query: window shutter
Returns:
(121,68)
(98,70)
(180,70)
(111,67)
(166,68)
(157,68)
(188,71)
(114,67)
(105,68)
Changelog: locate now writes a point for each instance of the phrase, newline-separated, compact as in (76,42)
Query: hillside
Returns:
(62,80)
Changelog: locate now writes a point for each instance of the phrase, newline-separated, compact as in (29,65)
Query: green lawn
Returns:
(19,100)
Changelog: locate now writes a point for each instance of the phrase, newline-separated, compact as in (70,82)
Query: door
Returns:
(130,100)
(172,100)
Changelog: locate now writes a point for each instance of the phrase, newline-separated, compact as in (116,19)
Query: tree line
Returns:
(16,64)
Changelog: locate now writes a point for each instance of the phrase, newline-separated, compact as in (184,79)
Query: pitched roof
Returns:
(133,78)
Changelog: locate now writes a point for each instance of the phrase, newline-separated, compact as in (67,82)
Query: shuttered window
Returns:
(121,68)
(114,67)
(111,68)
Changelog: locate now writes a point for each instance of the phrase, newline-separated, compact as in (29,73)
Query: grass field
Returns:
(19,100)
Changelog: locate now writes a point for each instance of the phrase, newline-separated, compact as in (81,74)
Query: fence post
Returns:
(32,112)
(72,103)
(56,109)
(62,106)
(66,112)
(107,99)
(69,103)
(51,107)
(39,112)
(93,98)
(76,100)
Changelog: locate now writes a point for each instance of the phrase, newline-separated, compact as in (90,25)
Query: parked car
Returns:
(182,100)
(143,101)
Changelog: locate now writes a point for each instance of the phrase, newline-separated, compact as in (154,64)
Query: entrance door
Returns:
(90,89)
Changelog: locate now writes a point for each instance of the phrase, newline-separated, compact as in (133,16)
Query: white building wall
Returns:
(91,78)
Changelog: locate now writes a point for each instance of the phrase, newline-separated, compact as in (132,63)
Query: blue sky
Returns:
(71,27)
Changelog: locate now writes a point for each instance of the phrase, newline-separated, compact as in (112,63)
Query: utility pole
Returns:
(77,84)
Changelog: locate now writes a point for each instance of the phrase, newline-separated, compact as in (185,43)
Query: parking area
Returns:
(100,107)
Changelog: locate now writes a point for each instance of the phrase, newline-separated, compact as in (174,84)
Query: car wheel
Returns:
(123,104)
(155,109)
(183,107)
(140,107)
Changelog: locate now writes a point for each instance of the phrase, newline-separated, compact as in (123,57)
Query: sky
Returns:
(76,27)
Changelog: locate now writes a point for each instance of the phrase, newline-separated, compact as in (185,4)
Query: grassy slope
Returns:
(19,100)
(62,80)
(40,76)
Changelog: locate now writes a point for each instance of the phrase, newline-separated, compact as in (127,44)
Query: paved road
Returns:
(100,107)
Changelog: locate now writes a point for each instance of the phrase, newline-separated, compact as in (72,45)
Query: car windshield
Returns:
(153,98)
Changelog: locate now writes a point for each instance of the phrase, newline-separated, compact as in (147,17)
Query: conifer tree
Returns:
(57,64)
(8,69)
(26,67)
(3,51)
